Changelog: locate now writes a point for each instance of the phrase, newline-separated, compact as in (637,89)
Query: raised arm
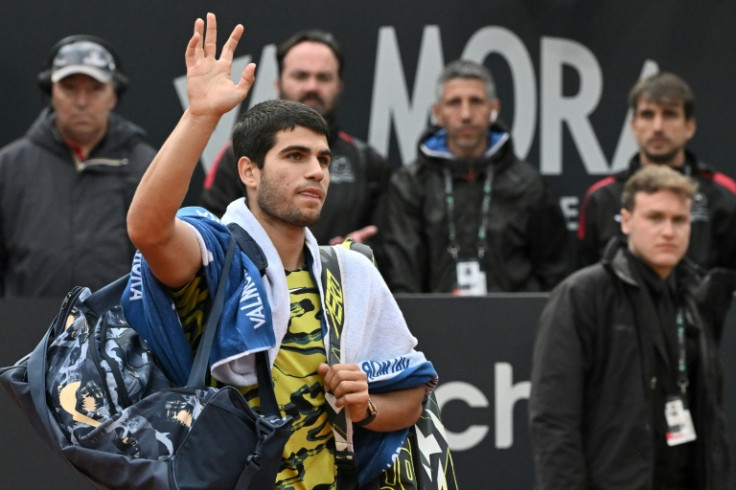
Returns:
(169,246)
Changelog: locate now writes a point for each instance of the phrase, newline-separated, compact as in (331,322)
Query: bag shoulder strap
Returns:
(342,428)
(332,287)
(246,244)
(201,358)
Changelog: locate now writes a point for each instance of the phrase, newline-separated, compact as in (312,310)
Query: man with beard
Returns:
(278,305)
(311,66)
(663,122)
(468,216)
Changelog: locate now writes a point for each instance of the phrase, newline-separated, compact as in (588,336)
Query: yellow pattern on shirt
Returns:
(308,461)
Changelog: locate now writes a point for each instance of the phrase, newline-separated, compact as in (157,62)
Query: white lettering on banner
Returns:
(390,98)
(574,111)
(136,279)
(474,397)
(569,206)
(506,396)
(254,309)
(395,108)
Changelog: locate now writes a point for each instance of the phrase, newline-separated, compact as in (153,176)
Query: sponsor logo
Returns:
(252,303)
(136,280)
(699,211)
(333,301)
(341,170)
(374,369)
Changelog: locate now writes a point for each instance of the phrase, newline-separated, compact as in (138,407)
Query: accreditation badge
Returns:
(680,428)
(471,279)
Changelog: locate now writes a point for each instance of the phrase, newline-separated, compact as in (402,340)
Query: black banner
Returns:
(563,69)
(481,348)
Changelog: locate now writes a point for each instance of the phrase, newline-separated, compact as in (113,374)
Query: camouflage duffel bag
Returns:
(94,391)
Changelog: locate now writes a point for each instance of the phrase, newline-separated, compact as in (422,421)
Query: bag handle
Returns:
(107,296)
(202,357)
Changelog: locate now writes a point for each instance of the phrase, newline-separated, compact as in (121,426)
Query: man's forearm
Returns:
(163,187)
(397,409)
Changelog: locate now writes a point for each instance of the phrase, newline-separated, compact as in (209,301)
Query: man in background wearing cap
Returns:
(66,185)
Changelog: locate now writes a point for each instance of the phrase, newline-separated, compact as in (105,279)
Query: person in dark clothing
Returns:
(663,122)
(65,187)
(310,71)
(626,377)
(468,216)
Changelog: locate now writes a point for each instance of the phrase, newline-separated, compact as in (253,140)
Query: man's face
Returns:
(82,105)
(662,131)
(291,187)
(464,112)
(310,75)
(658,229)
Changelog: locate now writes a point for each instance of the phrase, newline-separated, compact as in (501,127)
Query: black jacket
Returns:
(591,407)
(713,227)
(63,222)
(526,245)
(358,178)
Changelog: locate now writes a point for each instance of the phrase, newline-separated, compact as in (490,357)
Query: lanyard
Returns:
(682,380)
(453,246)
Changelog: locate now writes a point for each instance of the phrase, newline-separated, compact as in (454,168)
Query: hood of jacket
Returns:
(433,147)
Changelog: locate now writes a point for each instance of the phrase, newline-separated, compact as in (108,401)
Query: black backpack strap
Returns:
(202,357)
(250,247)
(342,429)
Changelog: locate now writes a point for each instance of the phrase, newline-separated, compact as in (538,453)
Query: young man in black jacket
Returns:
(626,378)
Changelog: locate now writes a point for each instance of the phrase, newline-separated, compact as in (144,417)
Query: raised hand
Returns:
(210,88)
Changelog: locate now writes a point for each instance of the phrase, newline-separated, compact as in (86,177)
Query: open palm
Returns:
(210,89)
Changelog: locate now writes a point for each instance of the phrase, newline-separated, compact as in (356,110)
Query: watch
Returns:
(372,412)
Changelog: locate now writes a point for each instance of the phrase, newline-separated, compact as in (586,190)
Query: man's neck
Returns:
(83,149)
(676,161)
(288,241)
(464,154)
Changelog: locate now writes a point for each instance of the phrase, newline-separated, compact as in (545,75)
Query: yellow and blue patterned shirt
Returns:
(308,460)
